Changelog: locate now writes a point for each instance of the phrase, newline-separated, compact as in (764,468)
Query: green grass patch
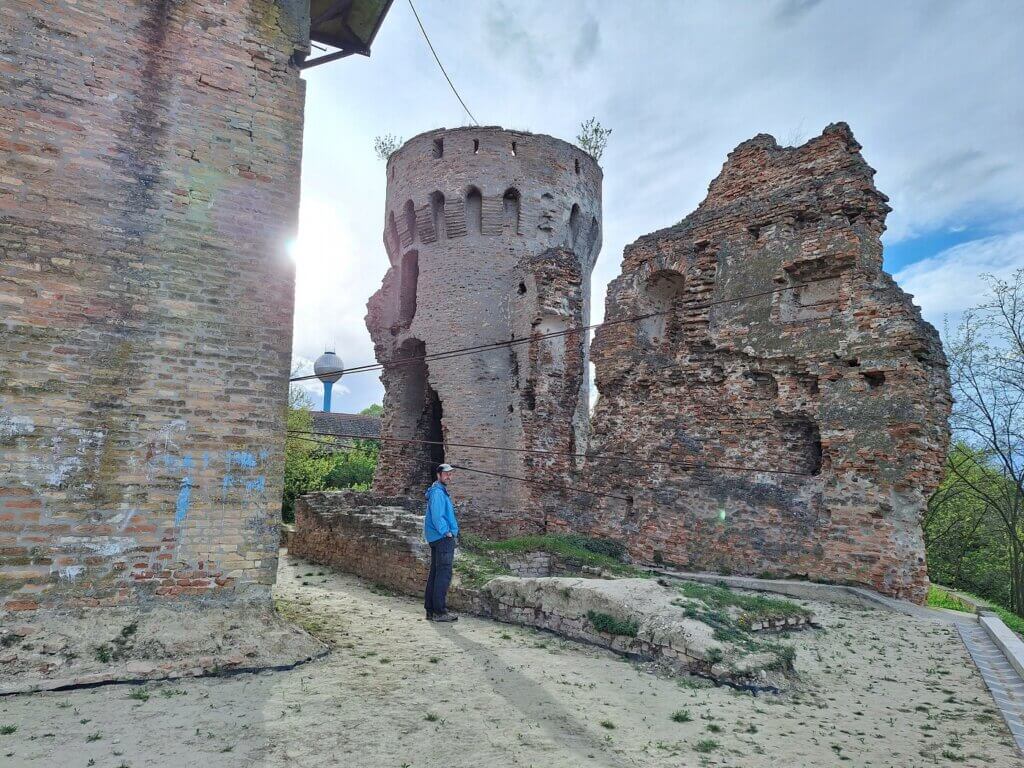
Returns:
(704,746)
(731,614)
(572,549)
(754,608)
(476,568)
(681,716)
(603,622)
(938,597)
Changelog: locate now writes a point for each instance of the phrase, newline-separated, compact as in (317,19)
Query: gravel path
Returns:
(876,689)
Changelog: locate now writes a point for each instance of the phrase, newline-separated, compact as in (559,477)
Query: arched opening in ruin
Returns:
(396,243)
(661,295)
(474,211)
(407,289)
(418,414)
(410,220)
(437,214)
(802,437)
(511,205)
(574,226)
(590,247)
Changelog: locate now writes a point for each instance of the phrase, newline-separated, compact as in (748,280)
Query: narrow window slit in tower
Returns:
(513,149)
(438,148)
(476,146)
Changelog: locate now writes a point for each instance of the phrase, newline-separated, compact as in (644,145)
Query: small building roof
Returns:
(346,424)
(349,25)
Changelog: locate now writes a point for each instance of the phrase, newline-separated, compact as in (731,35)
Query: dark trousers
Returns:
(435,597)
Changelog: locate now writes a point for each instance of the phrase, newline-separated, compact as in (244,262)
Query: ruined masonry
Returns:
(786,401)
(836,380)
(491,235)
(151,157)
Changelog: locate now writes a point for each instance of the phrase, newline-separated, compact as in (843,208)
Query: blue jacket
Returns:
(440,516)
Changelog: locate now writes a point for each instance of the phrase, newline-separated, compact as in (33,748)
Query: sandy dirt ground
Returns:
(875,689)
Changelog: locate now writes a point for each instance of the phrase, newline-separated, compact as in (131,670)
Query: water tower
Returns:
(328,368)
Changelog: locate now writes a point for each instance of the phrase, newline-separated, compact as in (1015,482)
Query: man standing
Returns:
(440,530)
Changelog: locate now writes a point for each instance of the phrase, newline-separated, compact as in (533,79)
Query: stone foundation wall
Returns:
(151,157)
(378,538)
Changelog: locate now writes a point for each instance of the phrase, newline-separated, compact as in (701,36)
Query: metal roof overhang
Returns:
(348,25)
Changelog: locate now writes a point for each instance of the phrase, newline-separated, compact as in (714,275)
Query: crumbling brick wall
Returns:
(838,381)
(151,159)
(492,235)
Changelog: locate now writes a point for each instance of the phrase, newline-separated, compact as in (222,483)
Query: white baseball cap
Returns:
(445,468)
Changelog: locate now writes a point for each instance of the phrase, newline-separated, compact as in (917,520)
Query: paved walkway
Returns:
(1002,680)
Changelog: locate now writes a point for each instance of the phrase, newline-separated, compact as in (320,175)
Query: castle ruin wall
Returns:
(793,403)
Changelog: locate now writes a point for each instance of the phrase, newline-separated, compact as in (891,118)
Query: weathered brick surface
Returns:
(149,178)
(379,538)
(376,537)
(491,235)
(840,381)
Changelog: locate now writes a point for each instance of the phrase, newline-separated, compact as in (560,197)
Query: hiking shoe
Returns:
(430,616)
(445,617)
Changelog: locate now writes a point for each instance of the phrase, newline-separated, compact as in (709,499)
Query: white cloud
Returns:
(931,90)
(951,281)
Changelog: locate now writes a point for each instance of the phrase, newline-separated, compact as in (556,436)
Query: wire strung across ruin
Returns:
(531,481)
(614,457)
(440,65)
(463,351)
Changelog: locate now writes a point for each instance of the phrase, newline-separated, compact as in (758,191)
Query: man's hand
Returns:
(449,535)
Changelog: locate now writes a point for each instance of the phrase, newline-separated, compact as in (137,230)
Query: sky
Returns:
(934,91)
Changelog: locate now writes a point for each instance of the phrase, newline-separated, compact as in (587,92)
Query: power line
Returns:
(440,65)
(463,351)
(614,457)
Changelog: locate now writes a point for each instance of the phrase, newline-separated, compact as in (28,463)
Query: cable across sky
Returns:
(506,343)
(613,457)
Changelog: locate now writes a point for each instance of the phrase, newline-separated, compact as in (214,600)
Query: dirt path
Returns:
(876,690)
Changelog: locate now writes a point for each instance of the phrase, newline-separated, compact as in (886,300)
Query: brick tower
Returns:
(491,235)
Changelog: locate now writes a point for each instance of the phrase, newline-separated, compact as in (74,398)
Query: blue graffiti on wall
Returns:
(184,496)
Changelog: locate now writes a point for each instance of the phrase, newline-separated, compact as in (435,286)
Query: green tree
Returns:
(320,462)
(305,466)
(965,540)
(593,137)
(976,519)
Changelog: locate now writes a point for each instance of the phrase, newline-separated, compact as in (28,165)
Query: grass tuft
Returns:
(604,622)
(704,746)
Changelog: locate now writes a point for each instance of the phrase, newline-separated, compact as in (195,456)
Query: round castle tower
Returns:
(491,235)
